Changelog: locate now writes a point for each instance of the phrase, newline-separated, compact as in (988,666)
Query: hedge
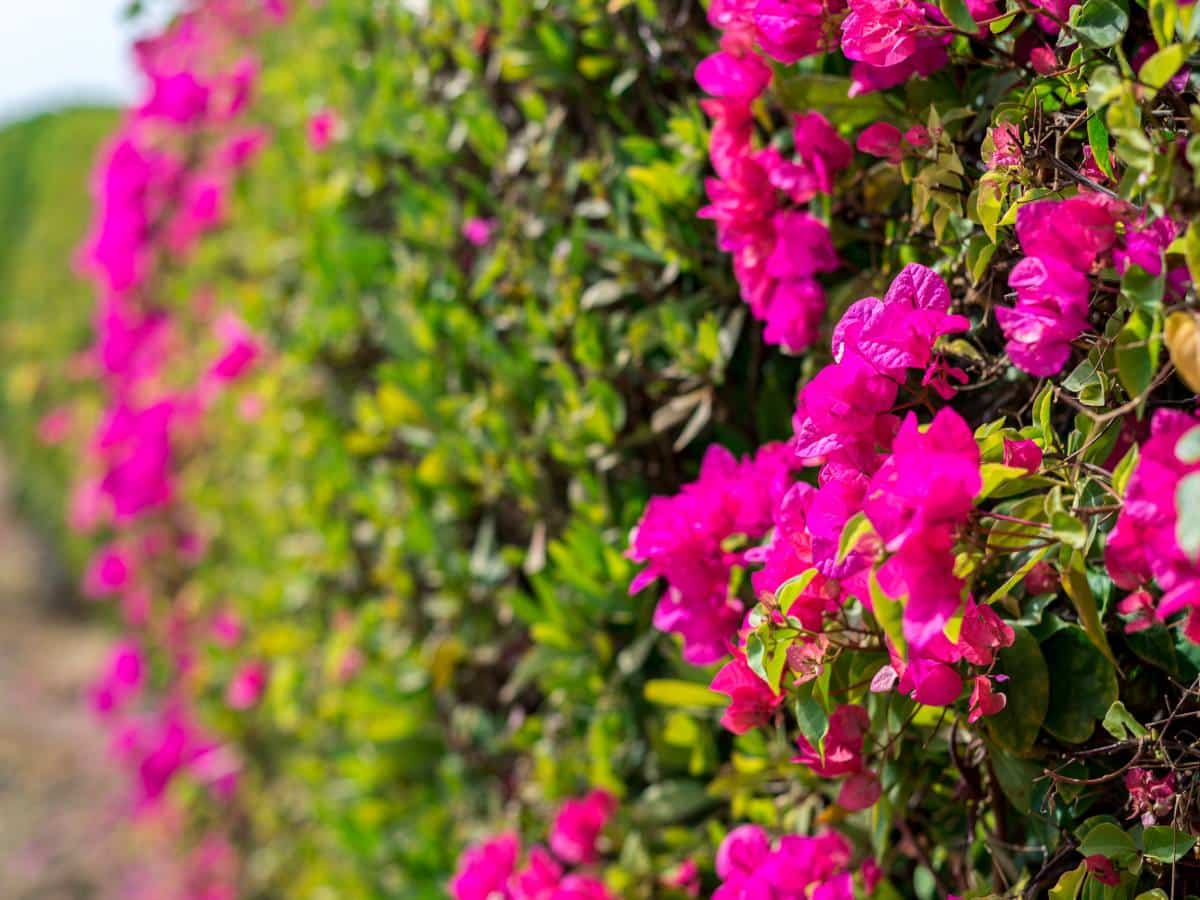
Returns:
(743,451)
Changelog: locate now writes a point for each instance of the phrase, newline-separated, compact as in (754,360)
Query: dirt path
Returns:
(60,825)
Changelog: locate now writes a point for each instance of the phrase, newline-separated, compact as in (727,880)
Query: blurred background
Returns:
(64,71)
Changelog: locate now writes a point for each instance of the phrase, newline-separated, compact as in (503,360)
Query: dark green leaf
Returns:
(1083,685)
(1165,844)
(1028,691)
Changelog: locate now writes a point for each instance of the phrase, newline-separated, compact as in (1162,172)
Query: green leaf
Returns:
(673,801)
(1015,727)
(831,95)
(1100,23)
(1165,844)
(1143,290)
(1164,15)
(995,475)
(675,692)
(1075,583)
(1069,530)
(1191,250)
(1187,506)
(1124,470)
(812,719)
(1120,723)
(889,613)
(1162,66)
(1098,140)
(1018,576)
(1069,883)
(790,590)
(1083,685)
(1137,351)
(958,14)
(857,528)
(756,656)
(989,201)
(1109,840)
(1017,777)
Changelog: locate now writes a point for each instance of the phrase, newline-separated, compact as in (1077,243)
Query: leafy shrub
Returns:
(396,355)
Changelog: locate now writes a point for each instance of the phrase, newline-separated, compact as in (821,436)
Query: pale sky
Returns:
(55,52)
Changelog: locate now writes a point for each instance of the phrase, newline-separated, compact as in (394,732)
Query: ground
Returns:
(61,819)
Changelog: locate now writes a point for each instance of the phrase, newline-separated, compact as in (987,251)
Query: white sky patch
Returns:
(55,53)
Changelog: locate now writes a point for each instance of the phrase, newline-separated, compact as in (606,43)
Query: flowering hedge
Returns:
(451,496)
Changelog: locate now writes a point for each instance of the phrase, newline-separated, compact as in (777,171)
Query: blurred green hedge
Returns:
(45,310)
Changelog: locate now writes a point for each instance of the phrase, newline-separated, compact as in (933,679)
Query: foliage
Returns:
(418,362)
(43,171)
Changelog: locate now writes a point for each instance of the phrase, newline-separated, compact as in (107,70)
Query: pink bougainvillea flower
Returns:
(1043,578)
(790,30)
(581,887)
(540,878)
(54,427)
(578,825)
(984,701)
(684,877)
(1139,607)
(882,32)
(730,77)
(1051,312)
(982,634)
(1057,11)
(478,231)
(1150,798)
(751,701)
(120,680)
(820,148)
(860,791)
(898,332)
(241,148)
(1101,868)
(109,572)
(814,867)
(929,57)
(1144,246)
(1044,60)
(180,98)
(803,247)
(918,136)
(882,139)
(247,685)
(843,744)
(793,313)
(240,348)
(323,127)
(1023,454)
(1078,231)
(1144,543)
(485,868)
(681,539)
(928,485)
(1006,147)
(742,852)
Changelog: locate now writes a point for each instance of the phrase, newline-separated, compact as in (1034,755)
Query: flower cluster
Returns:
(1144,546)
(489,870)
(162,184)
(913,485)
(778,247)
(796,868)
(687,540)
